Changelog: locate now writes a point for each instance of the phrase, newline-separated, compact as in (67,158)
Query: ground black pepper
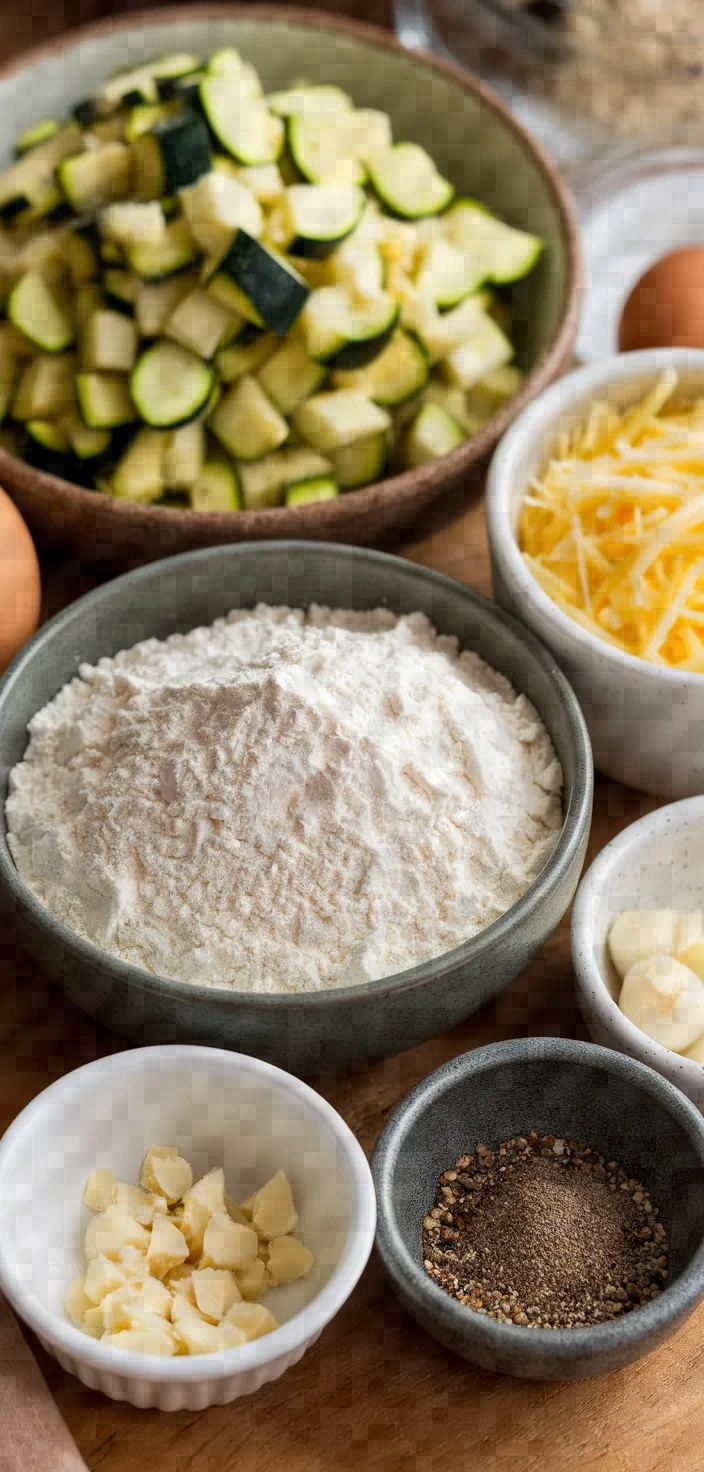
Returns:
(545,1233)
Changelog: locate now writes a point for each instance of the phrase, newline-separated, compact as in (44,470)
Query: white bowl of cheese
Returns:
(645,718)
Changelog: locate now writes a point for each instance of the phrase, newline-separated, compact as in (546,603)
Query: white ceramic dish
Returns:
(656,863)
(219,1108)
(645,722)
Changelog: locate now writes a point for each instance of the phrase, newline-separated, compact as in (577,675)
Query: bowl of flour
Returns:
(314,803)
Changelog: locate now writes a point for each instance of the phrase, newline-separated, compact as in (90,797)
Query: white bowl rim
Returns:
(295,1333)
(542,412)
(587,902)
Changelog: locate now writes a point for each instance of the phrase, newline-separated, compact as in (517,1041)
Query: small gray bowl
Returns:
(573,1090)
(315,1029)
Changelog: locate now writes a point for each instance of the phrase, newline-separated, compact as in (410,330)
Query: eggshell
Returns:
(666,307)
(19,581)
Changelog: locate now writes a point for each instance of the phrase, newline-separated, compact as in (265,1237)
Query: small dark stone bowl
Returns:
(572,1090)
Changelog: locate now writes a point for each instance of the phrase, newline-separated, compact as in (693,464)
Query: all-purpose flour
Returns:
(285,801)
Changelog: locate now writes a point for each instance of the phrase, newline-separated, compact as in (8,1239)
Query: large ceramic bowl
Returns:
(645,720)
(315,1029)
(574,1090)
(473,139)
(218,1109)
(655,864)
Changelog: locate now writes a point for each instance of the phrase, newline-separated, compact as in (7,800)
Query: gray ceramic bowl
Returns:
(570,1089)
(344,1026)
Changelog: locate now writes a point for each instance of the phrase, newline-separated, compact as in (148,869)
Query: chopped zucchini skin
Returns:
(312,312)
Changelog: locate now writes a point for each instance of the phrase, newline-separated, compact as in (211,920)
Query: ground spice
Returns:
(545,1233)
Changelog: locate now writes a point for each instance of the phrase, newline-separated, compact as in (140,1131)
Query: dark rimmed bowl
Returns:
(314,1029)
(573,1090)
(473,138)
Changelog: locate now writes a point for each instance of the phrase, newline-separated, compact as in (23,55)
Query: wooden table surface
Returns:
(374,1394)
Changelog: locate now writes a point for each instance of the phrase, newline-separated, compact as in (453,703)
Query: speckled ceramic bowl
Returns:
(655,864)
(314,1029)
(570,1089)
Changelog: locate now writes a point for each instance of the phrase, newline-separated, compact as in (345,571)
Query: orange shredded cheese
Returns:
(613,528)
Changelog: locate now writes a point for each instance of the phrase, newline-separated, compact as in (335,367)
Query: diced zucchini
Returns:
(217,206)
(128,224)
(358,264)
(156,302)
(242,124)
(216,488)
(10,209)
(47,446)
(498,252)
(314,488)
(264,181)
(121,291)
(170,385)
(86,300)
(201,323)
(264,481)
(174,252)
(109,343)
(111,254)
(184,454)
(180,153)
(323,146)
(9,369)
(38,133)
(127,88)
(401,370)
(290,376)
(439,332)
(228,63)
(104,400)
(88,445)
(36,311)
(94,179)
(139,475)
(29,177)
(245,357)
(320,100)
(371,131)
(328,421)
(446,274)
(485,350)
(263,287)
(80,250)
(45,389)
(433,433)
(178,90)
(246,422)
(145,117)
(346,329)
(407,181)
(174,68)
(320,217)
(361,462)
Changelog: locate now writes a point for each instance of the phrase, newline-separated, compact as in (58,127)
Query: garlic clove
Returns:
(637,934)
(665,1000)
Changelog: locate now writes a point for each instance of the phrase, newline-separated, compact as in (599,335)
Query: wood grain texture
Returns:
(375,1394)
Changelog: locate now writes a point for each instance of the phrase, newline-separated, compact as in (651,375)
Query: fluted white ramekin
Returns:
(218,1108)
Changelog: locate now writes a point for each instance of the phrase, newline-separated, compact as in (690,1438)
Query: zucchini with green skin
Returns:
(216,488)
(121,290)
(45,389)
(322,100)
(88,445)
(320,217)
(433,433)
(323,147)
(246,422)
(156,301)
(500,254)
(94,179)
(32,137)
(242,124)
(104,400)
(217,206)
(180,153)
(170,385)
(173,253)
(47,447)
(109,343)
(139,475)
(313,489)
(487,348)
(445,275)
(183,457)
(346,329)
(142,119)
(407,182)
(232,362)
(399,372)
(264,481)
(201,323)
(331,420)
(35,310)
(362,462)
(291,376)
(263,287)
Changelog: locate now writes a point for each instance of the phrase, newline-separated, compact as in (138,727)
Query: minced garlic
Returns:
(613,528)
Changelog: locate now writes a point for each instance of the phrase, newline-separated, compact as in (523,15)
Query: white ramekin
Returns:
(218,1108)
(656,863)
(646,723)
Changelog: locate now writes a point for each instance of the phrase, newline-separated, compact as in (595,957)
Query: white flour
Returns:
(285,801)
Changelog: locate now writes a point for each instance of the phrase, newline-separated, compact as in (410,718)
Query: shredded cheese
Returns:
(613,527)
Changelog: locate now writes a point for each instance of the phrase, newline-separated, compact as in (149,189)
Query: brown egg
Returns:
(20,585)
(666,308)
